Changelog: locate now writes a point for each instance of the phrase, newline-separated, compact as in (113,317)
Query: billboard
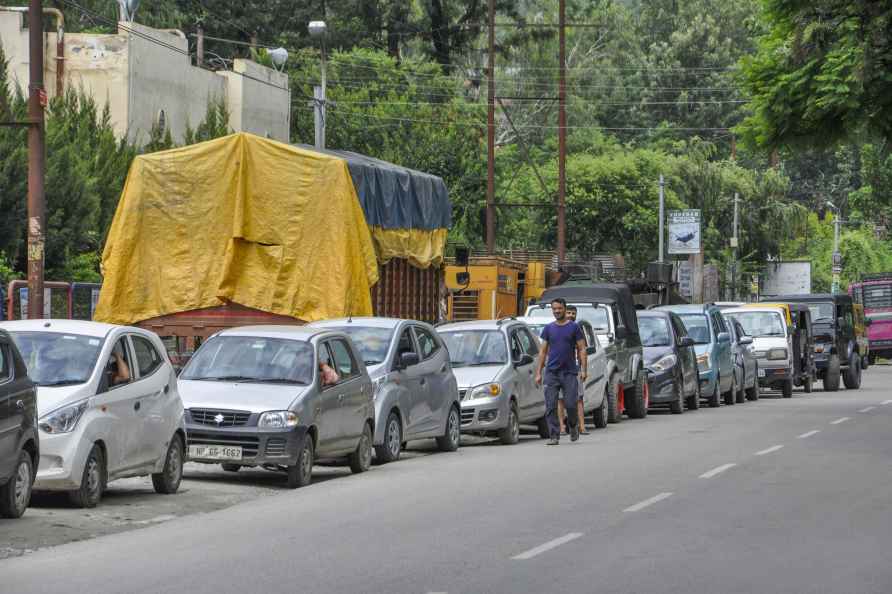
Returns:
(786,278)
(684,231)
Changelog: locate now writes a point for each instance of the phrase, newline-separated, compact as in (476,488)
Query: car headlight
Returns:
(703,362)
(777,354)
(665,363)
(277,419)
(486,391)
(64,420)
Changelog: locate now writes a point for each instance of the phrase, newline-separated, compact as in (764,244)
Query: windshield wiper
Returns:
(223,378)
(371,362)
(482,363)
(277,380)
(67,382)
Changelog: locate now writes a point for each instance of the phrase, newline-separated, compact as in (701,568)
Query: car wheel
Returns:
(167,482)
(600,414)
(361,459)
(511,433)
(231,467)
(831,374)
(15,495)
(614,414)
(677,406)
(450,441)
(715,399)
(693,401)
(852,377)
(741,390)
(390,450)
(638,410)
(728,396)
(301,474)
(865,362)
(872,359)
(542,427)
(92,480)
(787,388)
(752,394)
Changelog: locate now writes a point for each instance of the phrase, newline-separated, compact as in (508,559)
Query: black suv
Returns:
(19,451)
(610,309)
(836,346)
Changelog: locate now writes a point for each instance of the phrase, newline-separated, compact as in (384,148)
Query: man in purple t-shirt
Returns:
(562,345)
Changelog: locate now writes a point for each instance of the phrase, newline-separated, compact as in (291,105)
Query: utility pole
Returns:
(319,29)
(491,134)
(734,244)
(36,161)
(562,137)
(662,217)
(837,257)
(199,47)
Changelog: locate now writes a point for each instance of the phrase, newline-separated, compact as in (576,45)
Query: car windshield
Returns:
(372,342)
(476,347)
(252,359)
(58,359)
(596,315)
(760,323)
(821,312)
(654,332)
(697,326)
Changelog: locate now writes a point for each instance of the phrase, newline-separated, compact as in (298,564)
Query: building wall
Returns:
(138,79)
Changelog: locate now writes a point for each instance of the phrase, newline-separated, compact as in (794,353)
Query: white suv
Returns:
(107,405)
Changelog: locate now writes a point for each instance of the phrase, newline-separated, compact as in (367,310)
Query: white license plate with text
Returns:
(215,452)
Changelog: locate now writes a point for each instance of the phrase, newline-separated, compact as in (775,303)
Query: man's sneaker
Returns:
(553,441)
(574,433)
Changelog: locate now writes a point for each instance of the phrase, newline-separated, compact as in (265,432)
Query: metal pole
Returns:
(36,159)
(662,217)
(491,134)
(735,244)
(319,101)
(562,137)
(837,257)
(199,47)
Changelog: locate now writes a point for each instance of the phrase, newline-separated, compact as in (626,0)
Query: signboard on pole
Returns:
(684,231)
(47,303)
(786,278)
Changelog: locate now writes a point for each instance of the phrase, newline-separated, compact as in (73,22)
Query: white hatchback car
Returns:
(107,404)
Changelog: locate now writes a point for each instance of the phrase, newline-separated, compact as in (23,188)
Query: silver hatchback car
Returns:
(494,363)
(416,394)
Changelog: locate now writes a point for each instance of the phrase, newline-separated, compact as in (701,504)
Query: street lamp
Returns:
(837,257)
(317,30)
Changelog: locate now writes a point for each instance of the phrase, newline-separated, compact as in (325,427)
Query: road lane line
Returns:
(867,409)
(647,502)
(717,470)
(809,434)
(840,420)
(886,402)
(551,544)
(769,450)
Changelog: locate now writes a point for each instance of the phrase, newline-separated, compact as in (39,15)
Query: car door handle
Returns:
(137,405)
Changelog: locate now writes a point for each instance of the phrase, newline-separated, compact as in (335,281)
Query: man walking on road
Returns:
(562,345)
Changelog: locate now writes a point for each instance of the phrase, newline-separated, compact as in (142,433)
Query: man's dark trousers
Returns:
(566,383)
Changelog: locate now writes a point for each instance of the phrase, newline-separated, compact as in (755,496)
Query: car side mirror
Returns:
(724,337)
(525,359)
(686,341)
(408,360)
(591,350)
(746,339)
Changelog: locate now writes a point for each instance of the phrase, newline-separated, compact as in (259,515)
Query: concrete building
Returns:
(146,77)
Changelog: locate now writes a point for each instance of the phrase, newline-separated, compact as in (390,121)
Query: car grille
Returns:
(208,416)
(275,446)
(467,416)
(250,444)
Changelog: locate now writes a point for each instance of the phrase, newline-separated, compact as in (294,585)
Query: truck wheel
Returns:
(16,493)
(614,414)
(714,400)
(638,408)
(450,440)
(852,377)
(361,458)
(511,433)
(167,482)
(865,362)
(787,388)
(677,406)
(730,394)
(92,481)
(301,473)
(808,384)
(831,374)
(389,451)
(599,416)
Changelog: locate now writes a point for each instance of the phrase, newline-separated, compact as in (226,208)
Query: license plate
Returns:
(761,373)
(215,452)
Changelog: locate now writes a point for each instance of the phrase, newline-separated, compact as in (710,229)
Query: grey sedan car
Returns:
(494,363)
(278,397)
(416,395)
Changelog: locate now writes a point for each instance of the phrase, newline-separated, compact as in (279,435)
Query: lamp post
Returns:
(317,30)
(837,257)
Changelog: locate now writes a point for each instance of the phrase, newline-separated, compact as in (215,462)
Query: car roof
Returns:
(83,327)
(473,325)
(273,331)
(685,308)
(534,321)
(757,307)
(654,313)
(588,292)
(816,297)
(368,322)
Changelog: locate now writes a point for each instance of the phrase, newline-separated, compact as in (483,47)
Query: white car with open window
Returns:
(107,404)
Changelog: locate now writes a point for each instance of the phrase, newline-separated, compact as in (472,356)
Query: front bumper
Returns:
(258,447)
(662,386)
(483,414)
(773,375)
(62,459)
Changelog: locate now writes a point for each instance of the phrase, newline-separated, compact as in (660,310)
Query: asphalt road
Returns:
(769,496)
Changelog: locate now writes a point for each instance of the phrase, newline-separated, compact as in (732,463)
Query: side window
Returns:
(405,344)
(678,325)
(343,360)
(147,358)
(427,344)
(5,364)
(715,324)
(720,321)
(118,367)
(530,342)
(517,348)
(589,336)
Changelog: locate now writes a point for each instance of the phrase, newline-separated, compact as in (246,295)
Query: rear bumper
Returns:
(258,447)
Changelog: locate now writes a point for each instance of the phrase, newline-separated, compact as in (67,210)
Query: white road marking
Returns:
(809,434)
(647,502)
(840,420)
(867,409)
(769,450)
(717,470)
(551,544)
(886,402)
